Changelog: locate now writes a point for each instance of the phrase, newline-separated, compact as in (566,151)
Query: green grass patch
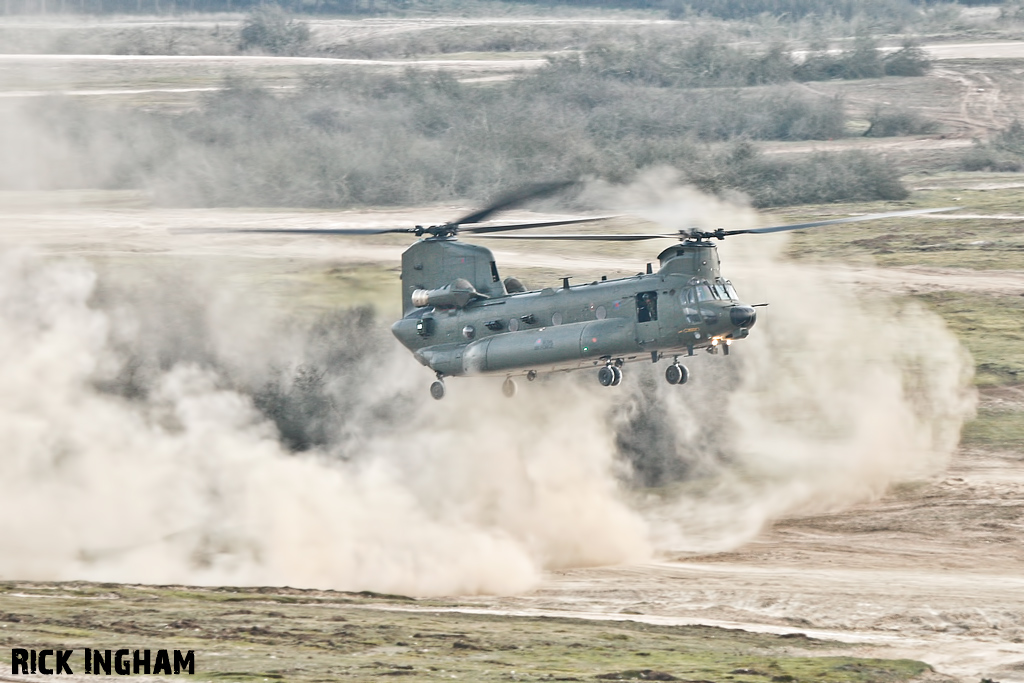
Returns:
(992,329)
(979,244)
(323,635)
(996,427)
(991,326)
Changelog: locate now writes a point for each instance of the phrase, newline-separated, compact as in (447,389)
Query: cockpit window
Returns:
(732,292)
(721,292)
(704,293)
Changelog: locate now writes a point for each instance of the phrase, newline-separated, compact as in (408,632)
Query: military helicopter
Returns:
(461,318)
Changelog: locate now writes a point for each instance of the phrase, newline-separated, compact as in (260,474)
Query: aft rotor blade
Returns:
(515,198)
(523,226)
(292,231)
(836,221)
(593,238)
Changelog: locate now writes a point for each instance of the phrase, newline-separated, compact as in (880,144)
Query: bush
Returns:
(909,60)
(704,62)
(863,61)
(777,181)
(1003,152)
(1011,139)
(893,122)
(792,10)
(271,29)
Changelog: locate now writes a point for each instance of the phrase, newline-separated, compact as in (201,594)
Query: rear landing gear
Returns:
(437,388)
(676,373)
(508,387)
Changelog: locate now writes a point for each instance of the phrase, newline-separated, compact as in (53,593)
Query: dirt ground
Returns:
(934,571)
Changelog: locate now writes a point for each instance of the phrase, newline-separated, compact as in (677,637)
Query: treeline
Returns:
(708,62)
(784,10)
(15,7)
(401,140)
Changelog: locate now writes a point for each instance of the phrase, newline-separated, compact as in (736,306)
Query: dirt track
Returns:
(932,573)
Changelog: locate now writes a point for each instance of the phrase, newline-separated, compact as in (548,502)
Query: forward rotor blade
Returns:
(292,231)
(594,238)
(836,221)
(513,199)
(523,226)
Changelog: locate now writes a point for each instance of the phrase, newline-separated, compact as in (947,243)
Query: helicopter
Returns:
(461,318)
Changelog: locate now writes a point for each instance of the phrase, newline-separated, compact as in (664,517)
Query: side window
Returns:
(646,307)
(704,293)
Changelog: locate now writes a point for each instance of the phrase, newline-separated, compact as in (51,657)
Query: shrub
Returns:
(1003,152)
(271,29)
(863,61)
(909,60)
(778,181)
(791,10)
(893,122)
(363,139)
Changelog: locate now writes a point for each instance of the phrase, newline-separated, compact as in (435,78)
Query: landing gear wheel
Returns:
(618,376)
(531,375)
(437,390)
(606,376)
(508,387)
(676,374)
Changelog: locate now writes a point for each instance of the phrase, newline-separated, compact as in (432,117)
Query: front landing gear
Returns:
(437,388)
(610,375)
(676,373)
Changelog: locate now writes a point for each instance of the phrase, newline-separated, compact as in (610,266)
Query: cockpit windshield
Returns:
(732,292)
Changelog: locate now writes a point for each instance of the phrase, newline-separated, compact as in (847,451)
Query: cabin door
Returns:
(647,317)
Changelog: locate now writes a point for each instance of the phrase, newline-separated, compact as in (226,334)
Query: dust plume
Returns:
(165,430)
(135,450)
(837,394)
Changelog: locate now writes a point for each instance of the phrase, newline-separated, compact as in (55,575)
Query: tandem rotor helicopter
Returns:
(461,318)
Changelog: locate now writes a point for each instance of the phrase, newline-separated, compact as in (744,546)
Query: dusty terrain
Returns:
(934,571)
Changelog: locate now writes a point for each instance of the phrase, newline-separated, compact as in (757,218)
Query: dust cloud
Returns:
(837,394)
(134,450)
(162,430)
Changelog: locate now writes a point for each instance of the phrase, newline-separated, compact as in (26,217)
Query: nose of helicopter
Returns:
(742,316)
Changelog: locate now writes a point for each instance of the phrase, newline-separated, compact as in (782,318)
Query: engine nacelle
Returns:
(455,295)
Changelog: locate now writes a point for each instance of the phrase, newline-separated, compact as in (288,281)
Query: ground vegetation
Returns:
(303,635)
(269,28)
(1003,151)
(406,139)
